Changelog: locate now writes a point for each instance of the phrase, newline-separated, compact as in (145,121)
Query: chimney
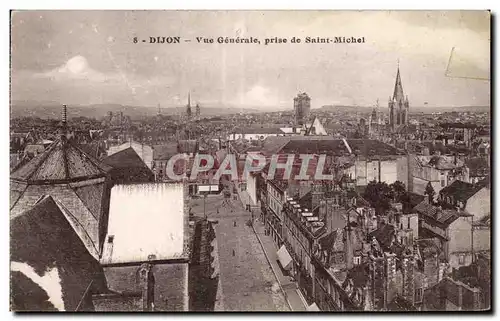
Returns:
(390,261)
(408,269)
(147,286)
(348,249)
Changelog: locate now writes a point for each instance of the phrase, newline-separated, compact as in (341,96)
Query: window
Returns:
(418,295)
(461,259)
(408,223)
(357,260)
(443,183)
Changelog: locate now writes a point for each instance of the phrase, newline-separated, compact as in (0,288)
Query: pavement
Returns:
(246,280)
(287,284)
(293,296)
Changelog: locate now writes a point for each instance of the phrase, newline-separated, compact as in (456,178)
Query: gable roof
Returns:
(444,217)
(127,167)
(126,158)
(460,190)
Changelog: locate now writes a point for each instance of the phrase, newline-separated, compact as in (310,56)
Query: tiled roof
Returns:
(62,162)
(445,217)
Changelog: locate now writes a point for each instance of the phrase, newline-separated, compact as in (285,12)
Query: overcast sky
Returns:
(88,57)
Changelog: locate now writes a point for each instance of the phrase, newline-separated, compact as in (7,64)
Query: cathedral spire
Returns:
(398,88)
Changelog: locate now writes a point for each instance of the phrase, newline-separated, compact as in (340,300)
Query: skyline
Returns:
(83,58)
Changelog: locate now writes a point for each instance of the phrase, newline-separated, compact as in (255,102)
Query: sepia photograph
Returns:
(250,161)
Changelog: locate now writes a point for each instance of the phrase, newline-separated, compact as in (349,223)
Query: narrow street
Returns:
(247,282)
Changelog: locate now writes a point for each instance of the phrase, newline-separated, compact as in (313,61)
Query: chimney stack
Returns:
(64,115)
(147,286)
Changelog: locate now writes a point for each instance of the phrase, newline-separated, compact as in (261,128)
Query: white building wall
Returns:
(252,188)
(479,204)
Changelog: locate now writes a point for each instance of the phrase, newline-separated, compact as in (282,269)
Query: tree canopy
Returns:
(380,195)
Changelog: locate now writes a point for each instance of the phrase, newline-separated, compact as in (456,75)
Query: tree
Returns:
(429,191)
(402,196)
(399,189)
(380,196)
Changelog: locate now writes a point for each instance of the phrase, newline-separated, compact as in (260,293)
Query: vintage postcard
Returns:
(321,161)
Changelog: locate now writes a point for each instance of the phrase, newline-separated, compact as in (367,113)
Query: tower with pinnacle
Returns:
(189,112)
(399,105)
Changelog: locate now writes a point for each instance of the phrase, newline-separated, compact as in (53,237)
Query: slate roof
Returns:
(478,166)
(415,199)
(329,147)
(62,162)
(127,166)
(332,146)
(460,190)
(384,235)
(43,238)
(164,151)
(260,130)
(77,183)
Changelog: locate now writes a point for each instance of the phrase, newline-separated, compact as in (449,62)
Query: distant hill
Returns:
(46,110)
(413,109)
(342,108)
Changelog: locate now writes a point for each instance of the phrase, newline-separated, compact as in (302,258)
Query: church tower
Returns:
(399,106)
(188,107)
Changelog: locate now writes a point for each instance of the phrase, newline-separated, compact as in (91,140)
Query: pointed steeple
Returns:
(398,88)
(188,107)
